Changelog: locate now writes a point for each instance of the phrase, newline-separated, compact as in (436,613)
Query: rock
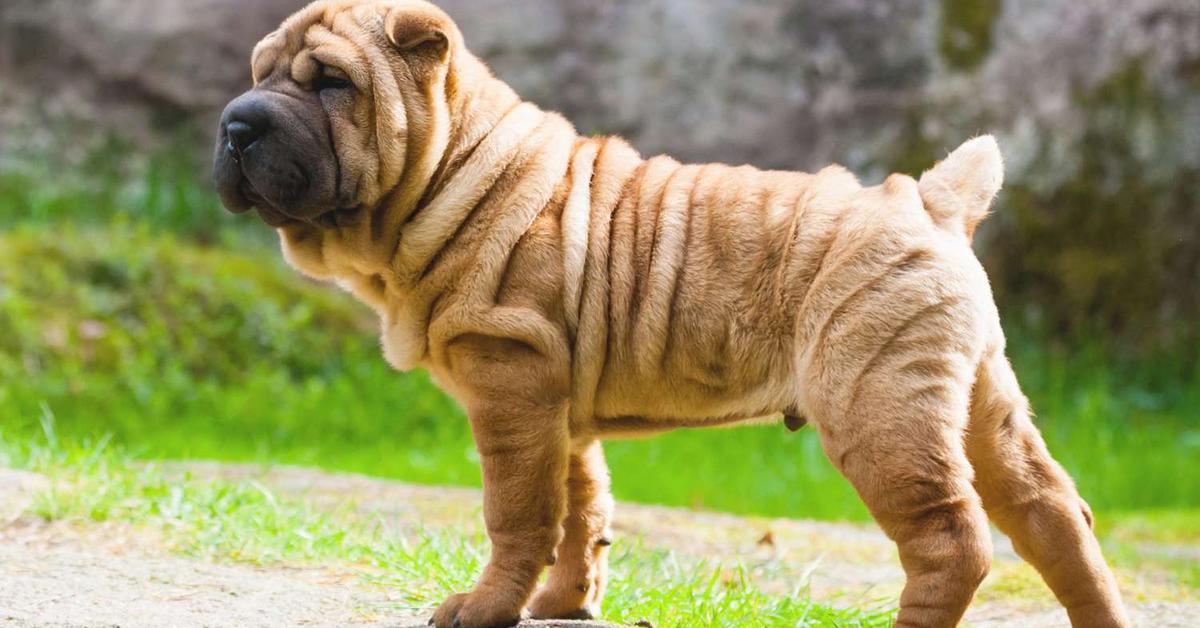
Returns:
(174,55)
(137,68)
(777,83)
(1096,104)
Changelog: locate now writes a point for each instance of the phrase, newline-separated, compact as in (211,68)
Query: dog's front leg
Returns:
(518,415)
(575,586)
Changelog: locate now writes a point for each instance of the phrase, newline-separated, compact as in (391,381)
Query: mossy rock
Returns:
(127,299)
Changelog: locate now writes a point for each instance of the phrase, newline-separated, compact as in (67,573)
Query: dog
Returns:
(566,290)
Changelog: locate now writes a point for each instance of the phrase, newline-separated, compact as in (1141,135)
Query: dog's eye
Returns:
(331,79)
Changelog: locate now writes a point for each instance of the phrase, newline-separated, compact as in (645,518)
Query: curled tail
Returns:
(958,191)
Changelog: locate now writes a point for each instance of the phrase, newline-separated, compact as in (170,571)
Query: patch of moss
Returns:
(914,152)
(1189,69)
(965,38)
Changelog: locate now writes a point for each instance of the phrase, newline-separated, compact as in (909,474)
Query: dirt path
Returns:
(60,574)
(55,575)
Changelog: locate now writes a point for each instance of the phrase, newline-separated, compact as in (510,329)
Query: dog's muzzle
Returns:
(274,154)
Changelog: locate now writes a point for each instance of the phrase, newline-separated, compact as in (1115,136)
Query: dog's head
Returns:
(347,93)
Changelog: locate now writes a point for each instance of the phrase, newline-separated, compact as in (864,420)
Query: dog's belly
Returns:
(619,427)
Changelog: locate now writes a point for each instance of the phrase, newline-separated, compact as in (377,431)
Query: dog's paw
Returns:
(474,610)
(555,603)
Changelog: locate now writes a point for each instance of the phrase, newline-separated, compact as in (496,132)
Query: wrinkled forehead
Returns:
(339,33)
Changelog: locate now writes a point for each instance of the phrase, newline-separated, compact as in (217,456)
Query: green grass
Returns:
(132,307)
(246,522)
(111,185)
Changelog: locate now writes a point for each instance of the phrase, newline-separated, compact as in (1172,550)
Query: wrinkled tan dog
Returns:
(566,290)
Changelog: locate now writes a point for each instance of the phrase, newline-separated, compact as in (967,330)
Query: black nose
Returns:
(246,119)
(241,135)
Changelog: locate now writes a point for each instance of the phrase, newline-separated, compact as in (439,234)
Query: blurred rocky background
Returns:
(1096,104)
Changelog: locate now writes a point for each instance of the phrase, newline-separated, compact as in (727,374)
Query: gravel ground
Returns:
(63,574)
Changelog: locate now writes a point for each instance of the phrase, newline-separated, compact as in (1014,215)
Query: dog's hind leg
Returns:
(575,585)
(890,400)
(900,445)
(1033,500)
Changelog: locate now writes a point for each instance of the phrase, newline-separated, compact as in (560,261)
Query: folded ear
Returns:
(419,27)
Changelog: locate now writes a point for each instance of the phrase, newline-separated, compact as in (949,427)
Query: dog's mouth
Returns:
(249,198)
(275,217)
